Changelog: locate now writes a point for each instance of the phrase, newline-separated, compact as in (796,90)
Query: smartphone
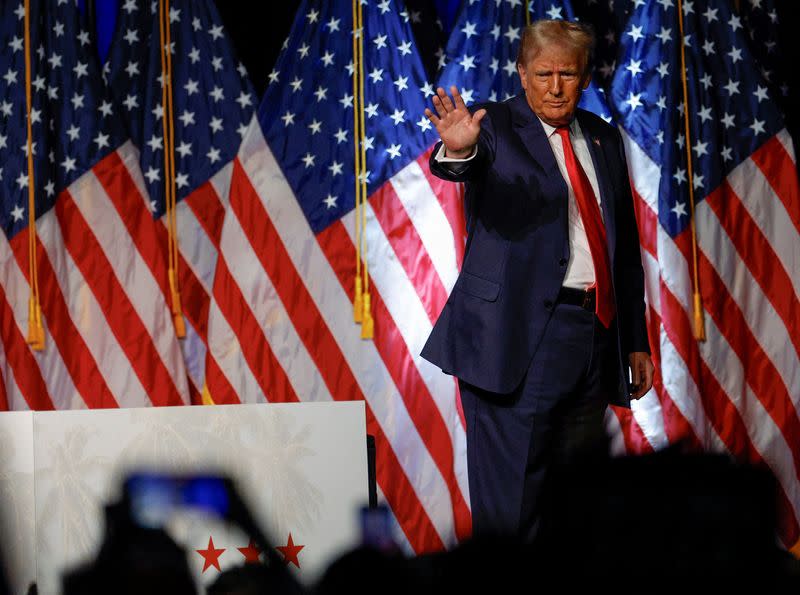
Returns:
(154,498)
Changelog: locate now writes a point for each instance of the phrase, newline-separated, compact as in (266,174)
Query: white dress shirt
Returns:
(580,268)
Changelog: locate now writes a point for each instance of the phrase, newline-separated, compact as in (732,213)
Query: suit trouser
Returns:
(554,416)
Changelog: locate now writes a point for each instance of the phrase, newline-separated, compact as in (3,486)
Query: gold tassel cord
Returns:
(527,12)
(169,167)
(699,322)
(367,322)
(35,327)
(358,303)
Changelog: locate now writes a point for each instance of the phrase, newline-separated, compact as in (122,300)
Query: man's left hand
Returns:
(641,373)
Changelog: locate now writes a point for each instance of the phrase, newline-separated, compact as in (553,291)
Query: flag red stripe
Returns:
(411,253)
(759,371)
(77,358)
(19,357)
(123,320)
(150,238)
(209,210)
(316,336)
(778,168)
(647,222)
(635,440)
(451,198)
(256,350)
(757,253)
(221,391)
(3,395)
(194,297)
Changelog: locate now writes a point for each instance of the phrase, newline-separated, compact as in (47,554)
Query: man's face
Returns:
(553,81)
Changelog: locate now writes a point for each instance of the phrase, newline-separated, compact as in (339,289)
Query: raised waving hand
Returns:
(457,128)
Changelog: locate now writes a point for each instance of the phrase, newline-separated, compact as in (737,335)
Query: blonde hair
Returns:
(544,32)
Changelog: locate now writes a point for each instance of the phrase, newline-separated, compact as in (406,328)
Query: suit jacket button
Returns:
(562,262)
(548,304)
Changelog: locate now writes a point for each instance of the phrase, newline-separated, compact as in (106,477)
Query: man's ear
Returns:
(522,78)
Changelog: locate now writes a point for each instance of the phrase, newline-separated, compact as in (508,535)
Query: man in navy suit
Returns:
(548,312)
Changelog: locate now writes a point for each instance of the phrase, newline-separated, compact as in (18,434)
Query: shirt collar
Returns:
(574,129)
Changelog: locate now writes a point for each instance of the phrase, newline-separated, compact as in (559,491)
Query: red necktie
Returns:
(595,230)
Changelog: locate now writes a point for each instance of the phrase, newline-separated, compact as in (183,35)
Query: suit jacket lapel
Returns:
(531,132)
(598,152)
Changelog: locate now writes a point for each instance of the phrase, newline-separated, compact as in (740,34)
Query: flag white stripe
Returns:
(647,413)
(645,173)
(365,362)
(133,273)
(195,246)
(786,140)
(762,319)
(412,321)
(221,182)
(429,220)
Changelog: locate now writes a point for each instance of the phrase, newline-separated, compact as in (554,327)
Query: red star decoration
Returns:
(251,553)
(211,555)
(290,551)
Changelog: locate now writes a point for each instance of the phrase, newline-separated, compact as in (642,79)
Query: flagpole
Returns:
(699,322)
(35,329)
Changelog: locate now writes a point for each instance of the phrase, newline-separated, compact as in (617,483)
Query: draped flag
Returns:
(281,324)
(481,54)
(105,337)
(738,389)
(213,104)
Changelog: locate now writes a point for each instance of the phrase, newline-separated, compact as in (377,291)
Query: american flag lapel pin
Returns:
(596,141)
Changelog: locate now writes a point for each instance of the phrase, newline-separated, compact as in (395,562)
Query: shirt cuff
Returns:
(440,157)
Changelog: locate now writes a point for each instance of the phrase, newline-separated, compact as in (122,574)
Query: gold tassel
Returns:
(367,324)
(35,328)
(206,396)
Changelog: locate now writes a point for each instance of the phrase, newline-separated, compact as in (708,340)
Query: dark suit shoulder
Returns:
(596,125)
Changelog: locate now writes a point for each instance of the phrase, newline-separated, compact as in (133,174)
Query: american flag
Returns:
(281,325)
(738,391)
(109,338)
(481,54)
(214,103)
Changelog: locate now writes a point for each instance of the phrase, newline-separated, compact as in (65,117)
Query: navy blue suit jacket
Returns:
(518,248)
